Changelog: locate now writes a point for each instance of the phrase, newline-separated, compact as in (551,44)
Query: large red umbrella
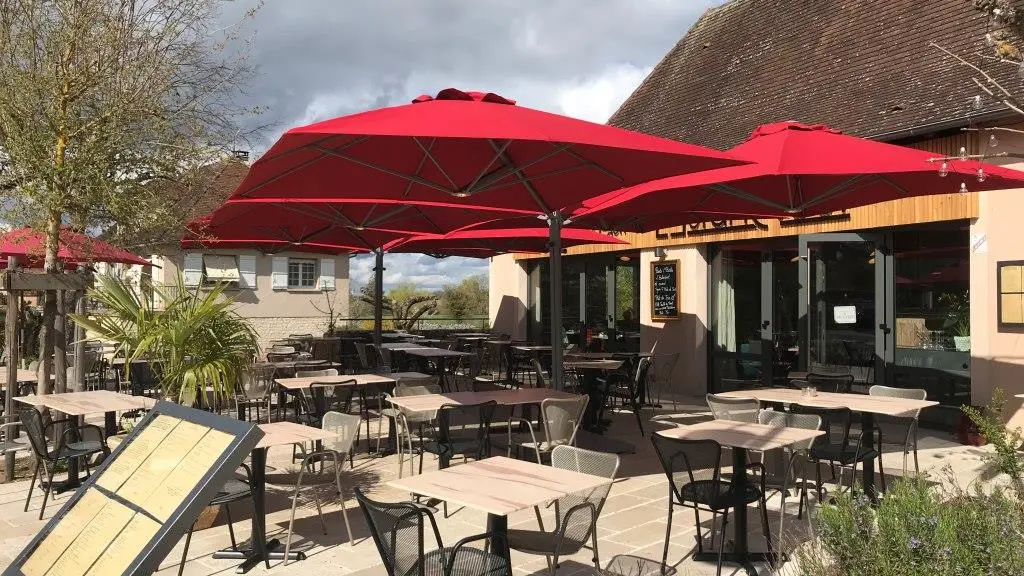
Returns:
(797,170)
(73,248)
(484,243)
(470,149)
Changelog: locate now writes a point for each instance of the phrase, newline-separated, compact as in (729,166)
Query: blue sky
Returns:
(319,59)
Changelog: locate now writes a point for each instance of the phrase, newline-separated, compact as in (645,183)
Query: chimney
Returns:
(242,155)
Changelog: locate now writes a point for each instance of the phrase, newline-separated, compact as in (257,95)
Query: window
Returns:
(301,273)
(218,268)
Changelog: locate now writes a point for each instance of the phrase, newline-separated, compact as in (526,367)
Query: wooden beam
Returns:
(12,349)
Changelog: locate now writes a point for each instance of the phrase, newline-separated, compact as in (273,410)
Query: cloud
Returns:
(425,272)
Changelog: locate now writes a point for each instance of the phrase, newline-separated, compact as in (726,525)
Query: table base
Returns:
(744,560)
(251,558)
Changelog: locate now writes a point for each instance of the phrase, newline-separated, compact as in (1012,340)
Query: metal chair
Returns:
(575,515)
(76,441)
(399,530)
(405,420)
(256,382)
(839,383)
(905,424)
(234,490)
(794,454)
(664,366)
(307,477)
(735,409)
(281,353)
(632,390)
(836,446)
(459,430)
(695,481)
(560,419)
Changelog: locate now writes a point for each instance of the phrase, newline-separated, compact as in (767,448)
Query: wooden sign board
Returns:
(665,290)
(134,509)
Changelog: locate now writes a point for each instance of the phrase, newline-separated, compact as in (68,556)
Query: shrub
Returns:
(918,529)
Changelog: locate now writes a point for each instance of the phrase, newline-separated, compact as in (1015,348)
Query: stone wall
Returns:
(270,329)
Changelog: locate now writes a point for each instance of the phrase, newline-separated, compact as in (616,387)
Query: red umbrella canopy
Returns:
(797,170)
(74,247)
(483,243)
(466,148)
(325,225)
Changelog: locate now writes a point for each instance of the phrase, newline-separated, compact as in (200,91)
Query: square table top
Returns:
(428,402)
(411,376)
(743,434)
(857,402)
(471,335)
(594,364)
(401,345)
(85,403)
(350,379)
(499,485)
(498,342)
(23,375)
(284,433)
(397,335)
(426,352)
(532,348)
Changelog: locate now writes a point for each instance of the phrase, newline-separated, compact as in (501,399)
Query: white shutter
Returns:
(279,273)
(247,272)
(327,273)
(192,271)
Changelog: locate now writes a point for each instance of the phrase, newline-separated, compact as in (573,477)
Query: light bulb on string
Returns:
(993,142)
(944,169)
(977,102)
(963,153)
(981,175)
(963,188)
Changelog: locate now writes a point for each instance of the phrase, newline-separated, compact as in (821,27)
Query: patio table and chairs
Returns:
(591,371)
(234,490)
(440,357)
(559,421)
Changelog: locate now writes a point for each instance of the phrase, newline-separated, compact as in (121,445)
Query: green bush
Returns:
(918,529)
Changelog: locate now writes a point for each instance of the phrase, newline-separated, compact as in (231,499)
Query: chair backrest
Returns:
(398,531)
(32,422)
(346,426)
(327,349)
(374,357)
(541,377)
(736,409)
(560,419)
(316,373)
(685,461)
(782,419)
(575,517)
(256,381)
(387,358)
(836,423)
(327,396)
(464,428)
(422,389)
(639,387)
(907,393)
(842,383)
(364,362)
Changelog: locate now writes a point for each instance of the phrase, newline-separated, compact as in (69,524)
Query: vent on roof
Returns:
(896,108)
(242,155)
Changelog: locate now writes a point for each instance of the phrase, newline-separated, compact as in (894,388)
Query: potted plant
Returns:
(958,319)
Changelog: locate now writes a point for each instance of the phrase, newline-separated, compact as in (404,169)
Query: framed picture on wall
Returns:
(1010,305)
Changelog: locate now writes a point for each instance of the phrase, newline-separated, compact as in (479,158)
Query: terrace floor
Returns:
(631,525)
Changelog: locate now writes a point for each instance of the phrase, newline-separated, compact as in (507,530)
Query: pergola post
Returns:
(60,344)
(13,349)
(555,278)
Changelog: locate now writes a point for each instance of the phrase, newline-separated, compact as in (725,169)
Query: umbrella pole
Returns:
(378,296)
(555,277)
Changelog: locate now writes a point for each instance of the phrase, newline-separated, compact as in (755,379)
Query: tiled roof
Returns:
(863,66)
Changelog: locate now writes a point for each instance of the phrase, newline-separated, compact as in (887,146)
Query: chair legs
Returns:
(32,484)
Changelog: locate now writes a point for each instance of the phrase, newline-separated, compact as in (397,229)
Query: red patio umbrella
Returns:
(484,243)
(471,149)
(797,170)
(74,248)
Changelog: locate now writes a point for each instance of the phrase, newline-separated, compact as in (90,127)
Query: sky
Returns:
(317,59)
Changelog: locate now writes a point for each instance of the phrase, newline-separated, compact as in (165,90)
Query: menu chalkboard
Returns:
(665,290)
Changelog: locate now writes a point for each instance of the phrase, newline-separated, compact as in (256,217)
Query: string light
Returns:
(993,142)
(981,175)
(944,169)
(963,188)
(963,153)
(977,102)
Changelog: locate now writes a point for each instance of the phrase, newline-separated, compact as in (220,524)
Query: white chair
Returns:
(794,454)
(559,421)
(406,420)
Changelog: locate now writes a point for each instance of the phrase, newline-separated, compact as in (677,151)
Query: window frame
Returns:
(300,262)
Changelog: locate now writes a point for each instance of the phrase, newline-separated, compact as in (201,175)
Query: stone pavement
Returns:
(633,522)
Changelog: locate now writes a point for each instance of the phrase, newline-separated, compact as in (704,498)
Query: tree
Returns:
(467,298)
(406,303)
(98,99)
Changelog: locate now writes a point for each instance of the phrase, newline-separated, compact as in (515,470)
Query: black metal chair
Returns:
(459,430)
(695,481)
(631,390)
(75,441)
(837,445)
(234,490)
(399,530)
(841,383)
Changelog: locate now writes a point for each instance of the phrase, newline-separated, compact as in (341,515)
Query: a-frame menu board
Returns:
(134,509)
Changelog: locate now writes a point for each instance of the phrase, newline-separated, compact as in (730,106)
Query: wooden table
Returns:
(345,379)
(398,335)
(868,406)
(741,436)
(531,348)
(78,404)
(591,371)
(430,402)
(471,335)
(399,376)
(439,355)
(401,345)
(23,376)
(499,486)
(261,550)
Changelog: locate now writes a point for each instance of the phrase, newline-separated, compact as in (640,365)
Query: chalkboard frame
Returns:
(675,264)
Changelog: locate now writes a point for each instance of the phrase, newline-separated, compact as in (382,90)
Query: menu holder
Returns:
(665,290)
(132,511)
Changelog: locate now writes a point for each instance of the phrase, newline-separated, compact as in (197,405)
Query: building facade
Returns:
(904,293)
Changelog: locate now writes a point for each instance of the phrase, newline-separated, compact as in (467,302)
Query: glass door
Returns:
(845,302)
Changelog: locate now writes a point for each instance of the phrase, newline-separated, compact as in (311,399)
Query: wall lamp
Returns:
(659,252)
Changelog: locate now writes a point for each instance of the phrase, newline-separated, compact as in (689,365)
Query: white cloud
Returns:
(425,272)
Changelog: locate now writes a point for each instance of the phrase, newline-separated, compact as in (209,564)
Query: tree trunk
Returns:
(50,265)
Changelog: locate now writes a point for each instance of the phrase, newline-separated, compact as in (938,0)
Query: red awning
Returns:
(74,248)
(483,243)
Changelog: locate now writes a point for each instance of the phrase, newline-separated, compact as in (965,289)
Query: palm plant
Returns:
(196,338)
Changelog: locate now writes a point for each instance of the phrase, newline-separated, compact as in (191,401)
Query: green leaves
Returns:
(195,336)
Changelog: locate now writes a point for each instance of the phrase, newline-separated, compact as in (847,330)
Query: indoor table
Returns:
(275,434)
(741,437)
(499,486)
(868,406)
